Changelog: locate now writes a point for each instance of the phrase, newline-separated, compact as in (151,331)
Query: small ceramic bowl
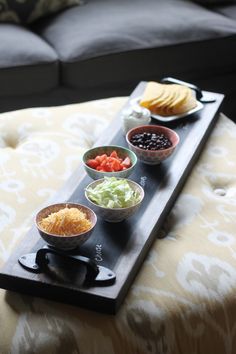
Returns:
(153,157)
(122,152)
(115,214)
(65,242)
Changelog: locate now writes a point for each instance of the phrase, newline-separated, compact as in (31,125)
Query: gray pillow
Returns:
(27,11)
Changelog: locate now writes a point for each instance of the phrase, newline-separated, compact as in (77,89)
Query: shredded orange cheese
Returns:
(66,222)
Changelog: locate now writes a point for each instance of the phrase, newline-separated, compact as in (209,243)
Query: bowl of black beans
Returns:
(152,143)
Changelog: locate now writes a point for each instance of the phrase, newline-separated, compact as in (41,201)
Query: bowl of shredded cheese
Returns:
(65,225)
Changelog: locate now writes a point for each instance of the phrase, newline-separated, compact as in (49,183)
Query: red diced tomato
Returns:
(111,163)
(116,165)
(114,154)
(126,163)
(92,163)
(103,157)
(103,163)
(108,167)
(98,159)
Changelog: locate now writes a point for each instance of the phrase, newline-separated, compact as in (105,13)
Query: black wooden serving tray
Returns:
(123,246)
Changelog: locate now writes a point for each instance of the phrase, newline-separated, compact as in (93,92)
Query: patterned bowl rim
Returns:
(140,188)
(63,205)
(148,127)
(112,147)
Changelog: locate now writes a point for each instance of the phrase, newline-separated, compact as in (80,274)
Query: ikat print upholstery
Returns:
(183,298)
(27,11)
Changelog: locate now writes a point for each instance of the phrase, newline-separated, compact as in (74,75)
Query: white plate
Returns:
(170,118)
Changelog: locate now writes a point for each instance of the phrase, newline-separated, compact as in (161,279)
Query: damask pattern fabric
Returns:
(183,299)
(27,11)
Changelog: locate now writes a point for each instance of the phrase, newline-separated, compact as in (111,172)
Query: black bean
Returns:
(150,141)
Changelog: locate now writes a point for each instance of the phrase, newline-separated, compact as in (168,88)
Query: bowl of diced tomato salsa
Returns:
(109,161)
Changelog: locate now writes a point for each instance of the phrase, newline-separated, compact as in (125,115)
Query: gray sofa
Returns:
(105,47)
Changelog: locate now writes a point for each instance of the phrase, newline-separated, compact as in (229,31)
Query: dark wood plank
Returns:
(121,247)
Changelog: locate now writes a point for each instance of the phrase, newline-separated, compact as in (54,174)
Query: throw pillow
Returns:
(27,11)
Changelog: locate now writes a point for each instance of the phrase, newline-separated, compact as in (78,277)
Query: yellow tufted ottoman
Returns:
(183,299)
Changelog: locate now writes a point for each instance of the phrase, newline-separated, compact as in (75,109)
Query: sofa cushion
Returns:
(227,10)
(28,11)
(106,42)
(27,63)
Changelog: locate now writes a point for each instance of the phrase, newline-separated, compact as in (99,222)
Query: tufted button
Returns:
(220,191)
(10,141)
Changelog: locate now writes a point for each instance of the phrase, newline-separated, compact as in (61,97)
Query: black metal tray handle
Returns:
(38,263)
(199,95)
